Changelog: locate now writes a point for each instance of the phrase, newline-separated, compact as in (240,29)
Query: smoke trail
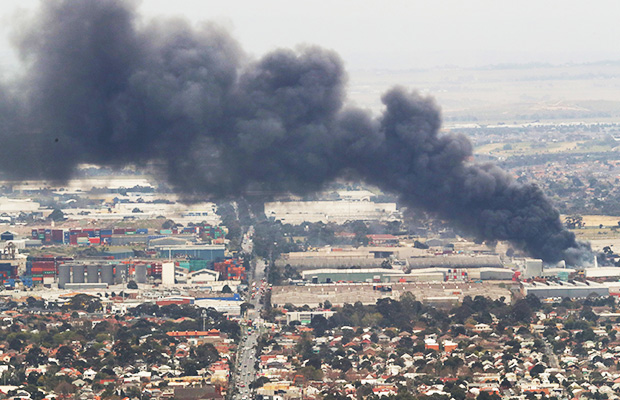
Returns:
(97,87)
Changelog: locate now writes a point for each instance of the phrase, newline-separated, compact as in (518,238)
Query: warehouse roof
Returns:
(455,261)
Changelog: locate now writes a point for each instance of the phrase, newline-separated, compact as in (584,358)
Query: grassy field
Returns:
(597,220)
(529,148)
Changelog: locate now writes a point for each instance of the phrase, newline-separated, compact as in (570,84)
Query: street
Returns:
(245,370)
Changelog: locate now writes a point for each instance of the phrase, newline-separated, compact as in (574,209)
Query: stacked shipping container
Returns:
(231,269)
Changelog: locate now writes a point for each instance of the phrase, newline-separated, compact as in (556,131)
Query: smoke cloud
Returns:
(100,86)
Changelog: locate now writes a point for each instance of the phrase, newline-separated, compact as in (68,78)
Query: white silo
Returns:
(167,273)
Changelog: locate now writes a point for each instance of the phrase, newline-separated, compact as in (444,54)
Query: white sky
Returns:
(404,34)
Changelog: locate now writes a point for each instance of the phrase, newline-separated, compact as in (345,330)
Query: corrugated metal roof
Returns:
(450,261)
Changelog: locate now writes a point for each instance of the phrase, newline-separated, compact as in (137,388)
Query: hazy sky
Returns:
(403,34)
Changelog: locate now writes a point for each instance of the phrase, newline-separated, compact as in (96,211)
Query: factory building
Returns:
(305,317)
(432,274)
(346,275)
(490,274)
(455,261)
(565,289)
(203,277)
(602,272)
(98,275)
(533,268)
(297,212)
(199,252)
(331,262)
(421,275)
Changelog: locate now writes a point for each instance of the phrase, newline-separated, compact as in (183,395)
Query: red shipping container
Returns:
(169,302)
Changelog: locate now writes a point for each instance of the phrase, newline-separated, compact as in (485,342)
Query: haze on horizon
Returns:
(400,34)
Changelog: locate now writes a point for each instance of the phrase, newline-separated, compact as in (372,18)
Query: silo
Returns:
(167,273)
(64,275)
(120,275)
(78,273)
(141,273)
(92,273)
(107,274)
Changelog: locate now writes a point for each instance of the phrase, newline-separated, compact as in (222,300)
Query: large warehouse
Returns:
(346,275)
(565,289)
(197,252)
(455,261)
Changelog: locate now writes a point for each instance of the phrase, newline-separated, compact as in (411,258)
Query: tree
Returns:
(259,382)
(205,354)
(574,221)
(65,356)
(226,289)
(65,389)
(132,285)
(537,369)
(35,357)
(124,353)
(319,325)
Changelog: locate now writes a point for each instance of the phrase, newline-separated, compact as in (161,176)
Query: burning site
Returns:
(412,208)
(96,86)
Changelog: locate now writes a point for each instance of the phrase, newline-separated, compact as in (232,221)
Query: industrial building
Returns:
(200,252)
(347,257)
(305,317)
(455,261)
(298,212)
(565,289)
(87,275)
(602,272)
(204,276)
(346,275)
(439,293)
(533,268)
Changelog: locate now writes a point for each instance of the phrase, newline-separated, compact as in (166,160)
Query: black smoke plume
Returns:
(100,86)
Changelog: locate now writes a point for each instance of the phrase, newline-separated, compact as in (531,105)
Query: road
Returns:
(247,245)
(245,371)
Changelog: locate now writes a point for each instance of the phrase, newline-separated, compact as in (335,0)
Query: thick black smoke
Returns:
(99,86)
